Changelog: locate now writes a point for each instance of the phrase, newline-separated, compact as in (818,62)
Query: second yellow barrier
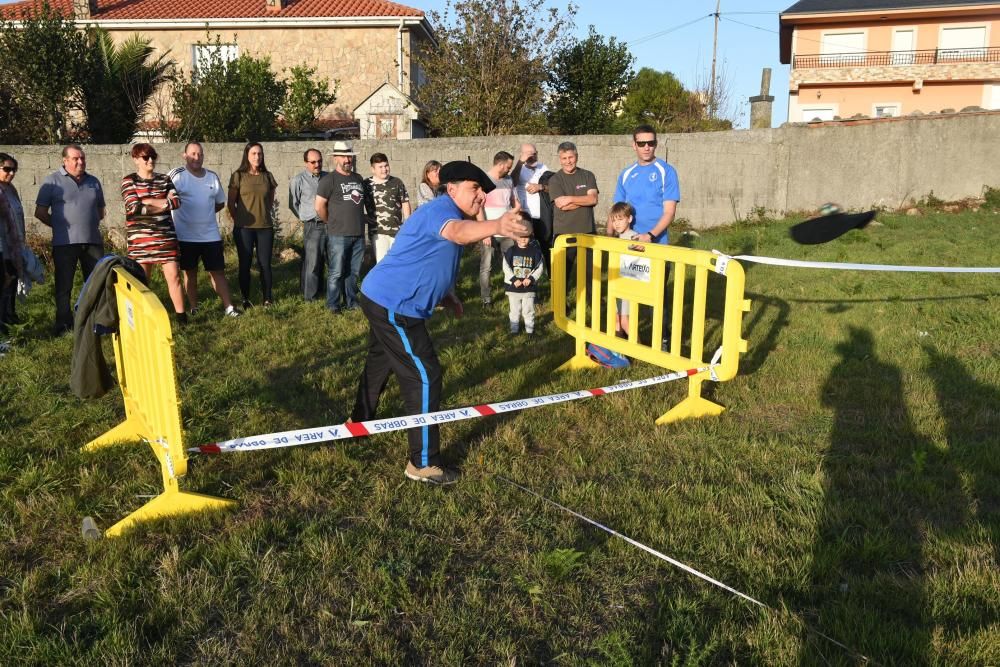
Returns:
(667,289)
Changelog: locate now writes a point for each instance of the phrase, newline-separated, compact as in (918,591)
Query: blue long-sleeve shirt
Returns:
(302,195)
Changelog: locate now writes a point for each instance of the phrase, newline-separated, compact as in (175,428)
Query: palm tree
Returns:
(119,83)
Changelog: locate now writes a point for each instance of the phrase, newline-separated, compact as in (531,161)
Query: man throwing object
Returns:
(400,294)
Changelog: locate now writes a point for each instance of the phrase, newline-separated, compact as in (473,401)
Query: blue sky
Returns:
(676,35)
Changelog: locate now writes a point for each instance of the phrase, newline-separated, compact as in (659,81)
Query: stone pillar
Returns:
(760,105)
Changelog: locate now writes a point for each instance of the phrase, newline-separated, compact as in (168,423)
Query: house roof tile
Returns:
(152,10)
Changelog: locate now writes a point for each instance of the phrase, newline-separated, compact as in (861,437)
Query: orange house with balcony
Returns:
(887,58)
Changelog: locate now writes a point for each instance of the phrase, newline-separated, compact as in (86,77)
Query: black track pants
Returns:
(401,345)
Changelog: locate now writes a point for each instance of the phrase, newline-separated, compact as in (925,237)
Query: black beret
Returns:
(460,170)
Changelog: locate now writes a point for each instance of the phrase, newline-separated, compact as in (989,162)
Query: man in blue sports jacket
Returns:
(401,293)
(650,185)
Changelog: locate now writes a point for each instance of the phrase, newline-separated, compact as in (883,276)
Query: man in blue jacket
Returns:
(401,293)
(650,185)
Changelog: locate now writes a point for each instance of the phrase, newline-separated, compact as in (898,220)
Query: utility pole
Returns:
(715,44)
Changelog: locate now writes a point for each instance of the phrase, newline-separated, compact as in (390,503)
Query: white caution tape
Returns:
(716,358)
(849,266)
(308,436)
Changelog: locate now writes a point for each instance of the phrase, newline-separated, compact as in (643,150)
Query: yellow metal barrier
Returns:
(637,273)
(145,362)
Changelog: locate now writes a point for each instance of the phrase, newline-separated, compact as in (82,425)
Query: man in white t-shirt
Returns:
(202,197)
(500,200)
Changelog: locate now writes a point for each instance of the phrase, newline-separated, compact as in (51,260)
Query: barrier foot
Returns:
(691,407)
(578,363)
(171,502)
(129,431)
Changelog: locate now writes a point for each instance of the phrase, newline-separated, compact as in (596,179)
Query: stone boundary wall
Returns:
(725,176)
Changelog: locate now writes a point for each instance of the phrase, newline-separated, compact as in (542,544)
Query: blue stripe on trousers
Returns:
(425,391)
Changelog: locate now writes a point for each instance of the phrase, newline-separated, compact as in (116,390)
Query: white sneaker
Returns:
(232,312)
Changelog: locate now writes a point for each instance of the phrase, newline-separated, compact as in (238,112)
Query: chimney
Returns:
(84,10)
(274,6)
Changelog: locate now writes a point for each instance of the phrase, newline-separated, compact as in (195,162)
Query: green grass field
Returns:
(852,485)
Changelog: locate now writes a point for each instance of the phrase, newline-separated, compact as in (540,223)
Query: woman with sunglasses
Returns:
(12,243)
(251,207)
(149,197)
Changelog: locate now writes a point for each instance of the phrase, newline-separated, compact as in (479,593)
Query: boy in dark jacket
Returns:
(523,264)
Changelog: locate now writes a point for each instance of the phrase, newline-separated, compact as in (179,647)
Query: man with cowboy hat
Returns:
(401,292)
(340,201)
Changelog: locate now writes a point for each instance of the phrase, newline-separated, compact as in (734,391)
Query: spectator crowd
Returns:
(512,213)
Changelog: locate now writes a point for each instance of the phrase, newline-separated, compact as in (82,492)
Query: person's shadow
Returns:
(883,486)
(971,410)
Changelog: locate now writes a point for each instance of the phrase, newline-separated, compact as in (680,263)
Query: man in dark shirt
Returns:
(340,201)
(573,192)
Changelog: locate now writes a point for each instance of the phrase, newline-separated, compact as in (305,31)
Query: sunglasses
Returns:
(642,144)
(148,158)
(10,170)
(314,162)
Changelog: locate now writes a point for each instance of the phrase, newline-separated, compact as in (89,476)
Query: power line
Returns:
(640,40)
(800,38)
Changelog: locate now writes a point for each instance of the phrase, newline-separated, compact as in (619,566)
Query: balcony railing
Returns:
(986,54)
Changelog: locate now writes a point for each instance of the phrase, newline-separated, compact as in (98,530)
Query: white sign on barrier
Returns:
(635,268)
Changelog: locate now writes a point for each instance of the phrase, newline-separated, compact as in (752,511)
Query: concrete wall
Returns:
(724,175)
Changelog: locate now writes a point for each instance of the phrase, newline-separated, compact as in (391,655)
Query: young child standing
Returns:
(522,267)
(621,216)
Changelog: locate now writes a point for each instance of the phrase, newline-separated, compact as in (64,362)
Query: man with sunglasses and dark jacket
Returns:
(650,185)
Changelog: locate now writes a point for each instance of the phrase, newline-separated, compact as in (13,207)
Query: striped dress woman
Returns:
(149,197)
(151,236)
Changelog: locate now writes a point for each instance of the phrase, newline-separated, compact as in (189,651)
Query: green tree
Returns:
(660,99)
(42,58)
(235,100)
(307,98)
(486,76)
(118,83)
(588,80)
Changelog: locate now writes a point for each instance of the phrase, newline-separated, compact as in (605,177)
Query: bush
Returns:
(306,99)
(236,100)
(991,198)
(41,63)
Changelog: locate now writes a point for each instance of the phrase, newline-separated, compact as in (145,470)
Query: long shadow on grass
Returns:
(972,411)
(884,485)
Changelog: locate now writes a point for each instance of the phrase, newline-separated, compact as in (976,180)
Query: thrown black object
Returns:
(828,227)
